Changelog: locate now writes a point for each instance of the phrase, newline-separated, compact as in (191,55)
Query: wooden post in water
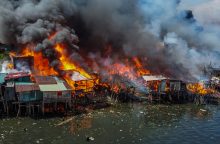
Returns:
(42,107)
(19,108)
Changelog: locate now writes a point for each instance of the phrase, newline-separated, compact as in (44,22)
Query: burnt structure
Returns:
(23,63)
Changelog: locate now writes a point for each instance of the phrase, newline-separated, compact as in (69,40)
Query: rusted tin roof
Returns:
(26,88)
(16,75)
(43,80)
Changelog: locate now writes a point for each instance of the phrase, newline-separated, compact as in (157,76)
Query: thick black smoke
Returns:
(167,35)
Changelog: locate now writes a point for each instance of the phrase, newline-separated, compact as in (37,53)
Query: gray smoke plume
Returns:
(176,38)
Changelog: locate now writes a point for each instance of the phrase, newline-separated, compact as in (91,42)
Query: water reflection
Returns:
(77,124)
(126,123)
(167,115)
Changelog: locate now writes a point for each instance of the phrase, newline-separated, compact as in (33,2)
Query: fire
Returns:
(123,70)
(199,88)
(41,64)
(139,66)
(66,63)
(128,69)
(69,65)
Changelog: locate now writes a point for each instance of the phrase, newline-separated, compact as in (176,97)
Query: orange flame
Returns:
(199,88)
(69,65)
(139,66)
(41,64)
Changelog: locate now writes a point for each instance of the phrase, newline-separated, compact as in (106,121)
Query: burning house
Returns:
(47,47)
(81,83)
(23,63)
(166,89)
(54,91)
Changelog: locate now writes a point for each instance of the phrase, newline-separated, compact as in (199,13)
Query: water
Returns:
(122,124)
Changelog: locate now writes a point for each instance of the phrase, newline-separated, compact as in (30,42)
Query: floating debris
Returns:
(203,110)
(90,138)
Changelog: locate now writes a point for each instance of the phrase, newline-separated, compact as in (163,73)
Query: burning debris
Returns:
(74,43)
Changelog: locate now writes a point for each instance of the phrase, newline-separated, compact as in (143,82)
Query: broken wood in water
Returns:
(65,122)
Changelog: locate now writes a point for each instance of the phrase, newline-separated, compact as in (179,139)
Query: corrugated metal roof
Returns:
(54,87)
(26,88)
(44,80)
(76,76)
(2,77)
(49,88)
(154,78)
(16,75)
(24,83)
(63,84)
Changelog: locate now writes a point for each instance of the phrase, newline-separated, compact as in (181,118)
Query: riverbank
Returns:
(121,123)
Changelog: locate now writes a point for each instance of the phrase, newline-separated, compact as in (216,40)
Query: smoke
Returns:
(176,38)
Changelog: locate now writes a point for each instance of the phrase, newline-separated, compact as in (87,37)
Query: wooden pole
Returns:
(42,107)
(19,107)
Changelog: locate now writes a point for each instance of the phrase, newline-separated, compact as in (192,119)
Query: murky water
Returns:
(123,124)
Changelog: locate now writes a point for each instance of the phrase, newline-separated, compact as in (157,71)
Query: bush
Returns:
(1,56)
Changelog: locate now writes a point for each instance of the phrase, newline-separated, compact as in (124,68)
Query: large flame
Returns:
(123,71)
(71,67)
(199,88)
(130,68)
(67,64)
(41,64)
(141,70)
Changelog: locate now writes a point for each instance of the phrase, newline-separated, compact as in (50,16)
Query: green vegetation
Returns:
(4,55)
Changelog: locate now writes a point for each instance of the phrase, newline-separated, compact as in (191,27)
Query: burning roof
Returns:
(76,76)
(43,80)
(154,78)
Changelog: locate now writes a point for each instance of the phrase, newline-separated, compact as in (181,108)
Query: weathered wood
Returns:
(66,121)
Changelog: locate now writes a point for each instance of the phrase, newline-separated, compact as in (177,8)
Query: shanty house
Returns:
(155,83)
(11,79)
(53,89)
(24,63)
(2,89)
(2,81)
(163,84)
(28,92)
(162,88)
(82,83)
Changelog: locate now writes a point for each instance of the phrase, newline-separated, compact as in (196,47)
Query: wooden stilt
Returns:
(19,108)
(33,110)
(7,109)
(42,107)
